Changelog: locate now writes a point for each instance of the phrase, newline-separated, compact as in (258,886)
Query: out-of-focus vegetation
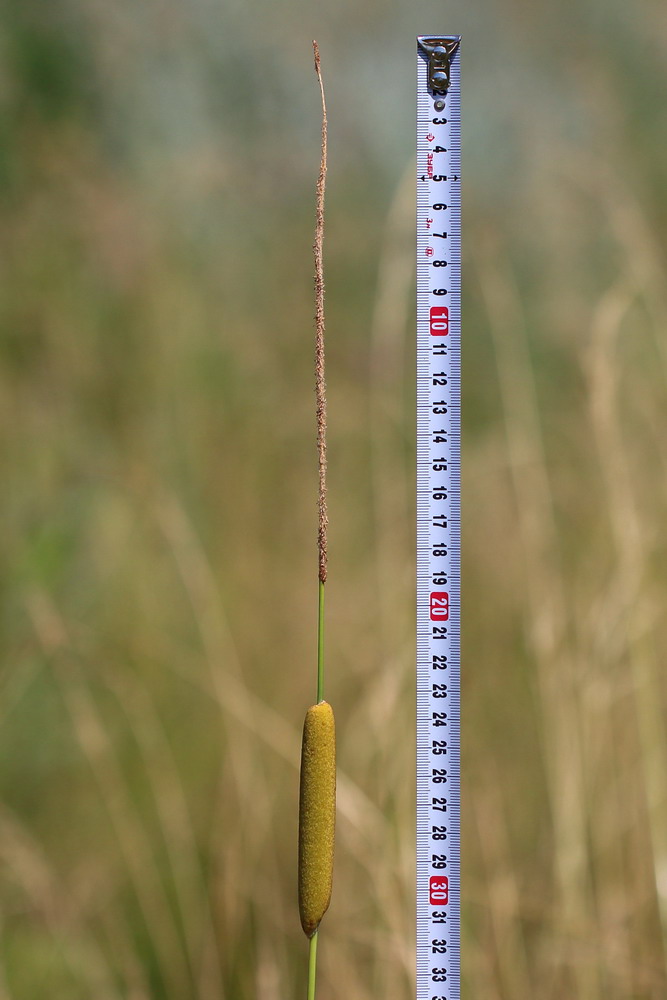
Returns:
(158,467)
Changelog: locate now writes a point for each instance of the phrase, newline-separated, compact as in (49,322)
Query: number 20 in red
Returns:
(439,606)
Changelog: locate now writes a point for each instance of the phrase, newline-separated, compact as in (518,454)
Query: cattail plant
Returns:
(317,797)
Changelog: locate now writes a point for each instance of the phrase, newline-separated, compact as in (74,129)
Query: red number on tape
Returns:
(439,606)
(439,321)
(438,890)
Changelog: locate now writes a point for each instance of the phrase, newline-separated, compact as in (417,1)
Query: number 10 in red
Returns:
(439,317)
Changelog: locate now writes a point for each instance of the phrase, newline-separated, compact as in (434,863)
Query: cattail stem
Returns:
(320,645)
(312,966)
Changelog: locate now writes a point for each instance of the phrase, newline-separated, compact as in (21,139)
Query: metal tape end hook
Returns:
(440,52)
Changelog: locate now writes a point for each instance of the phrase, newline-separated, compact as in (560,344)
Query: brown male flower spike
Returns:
(320,384)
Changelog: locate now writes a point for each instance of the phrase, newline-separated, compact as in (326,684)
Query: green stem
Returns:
(320,646)
(312,966)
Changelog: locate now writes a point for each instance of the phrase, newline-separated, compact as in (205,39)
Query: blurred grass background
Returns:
(158,468)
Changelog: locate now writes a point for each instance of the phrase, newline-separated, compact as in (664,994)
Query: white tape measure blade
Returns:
(438,516)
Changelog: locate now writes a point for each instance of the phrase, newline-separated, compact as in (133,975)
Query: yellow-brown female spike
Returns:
(317,815)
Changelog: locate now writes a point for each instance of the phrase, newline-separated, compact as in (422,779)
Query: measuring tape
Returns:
(438,516)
